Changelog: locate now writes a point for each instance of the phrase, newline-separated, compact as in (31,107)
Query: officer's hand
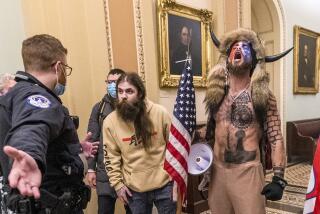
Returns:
(92,179)
(122,194)
(89,148)
(274,190)
(25,174)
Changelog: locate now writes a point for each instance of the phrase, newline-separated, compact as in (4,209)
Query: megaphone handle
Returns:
(202,188)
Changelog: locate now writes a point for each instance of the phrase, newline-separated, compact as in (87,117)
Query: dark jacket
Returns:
(180,53)
(99,112)
(37,123)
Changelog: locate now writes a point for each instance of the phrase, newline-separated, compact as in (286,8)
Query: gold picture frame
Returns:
(306,61)
(174,19)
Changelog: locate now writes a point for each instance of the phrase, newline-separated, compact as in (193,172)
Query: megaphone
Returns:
(200,158)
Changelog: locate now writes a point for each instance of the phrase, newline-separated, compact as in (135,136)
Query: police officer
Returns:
(43,158)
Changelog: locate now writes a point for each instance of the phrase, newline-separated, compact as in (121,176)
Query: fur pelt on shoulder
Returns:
(217,76)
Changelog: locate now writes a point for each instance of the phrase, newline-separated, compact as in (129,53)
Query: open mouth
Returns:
(237,56)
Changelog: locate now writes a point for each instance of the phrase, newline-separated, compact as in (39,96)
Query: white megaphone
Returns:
(200,158)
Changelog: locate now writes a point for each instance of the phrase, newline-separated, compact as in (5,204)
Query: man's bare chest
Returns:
(237,131)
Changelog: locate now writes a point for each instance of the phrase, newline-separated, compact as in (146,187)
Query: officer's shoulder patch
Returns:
(39,101)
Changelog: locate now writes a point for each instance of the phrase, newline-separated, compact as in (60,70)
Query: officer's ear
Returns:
(57,66)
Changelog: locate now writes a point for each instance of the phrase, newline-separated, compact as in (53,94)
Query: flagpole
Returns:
(179,204)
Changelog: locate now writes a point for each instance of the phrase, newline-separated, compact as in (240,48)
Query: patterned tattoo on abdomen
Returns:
(240,155)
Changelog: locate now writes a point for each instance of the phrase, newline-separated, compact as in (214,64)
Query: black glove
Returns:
(274,190)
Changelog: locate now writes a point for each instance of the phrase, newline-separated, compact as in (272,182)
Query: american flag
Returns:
(312,203)
(181,131)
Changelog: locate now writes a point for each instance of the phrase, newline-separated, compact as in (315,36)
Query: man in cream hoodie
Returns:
(134,138)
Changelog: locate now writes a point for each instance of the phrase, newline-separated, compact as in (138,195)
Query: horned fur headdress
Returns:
(217,84)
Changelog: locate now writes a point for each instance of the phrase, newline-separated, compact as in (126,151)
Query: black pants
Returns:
(106,205)
(73,212)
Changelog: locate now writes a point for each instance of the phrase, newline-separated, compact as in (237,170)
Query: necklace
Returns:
(234,97)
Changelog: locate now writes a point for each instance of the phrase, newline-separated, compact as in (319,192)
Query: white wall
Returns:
(11,36)
(305,14)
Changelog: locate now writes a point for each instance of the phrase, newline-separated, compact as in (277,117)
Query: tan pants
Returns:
(237,190)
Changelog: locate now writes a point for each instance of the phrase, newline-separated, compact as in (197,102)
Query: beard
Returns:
(129,112)
(237,70)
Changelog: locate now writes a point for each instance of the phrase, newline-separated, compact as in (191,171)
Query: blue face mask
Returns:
(112,90)
(59,89)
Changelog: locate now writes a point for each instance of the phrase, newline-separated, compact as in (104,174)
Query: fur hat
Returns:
(216,84)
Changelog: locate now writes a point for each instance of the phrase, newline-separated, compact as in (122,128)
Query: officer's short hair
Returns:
(40,52)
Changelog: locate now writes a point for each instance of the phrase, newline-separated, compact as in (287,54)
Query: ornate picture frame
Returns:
(306,61)
(183,32)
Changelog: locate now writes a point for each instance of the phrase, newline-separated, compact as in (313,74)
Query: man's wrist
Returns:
(118,186)
(278,180)
(278,171)
(91,171)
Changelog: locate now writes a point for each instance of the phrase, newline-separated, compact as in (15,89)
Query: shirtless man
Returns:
(243,121)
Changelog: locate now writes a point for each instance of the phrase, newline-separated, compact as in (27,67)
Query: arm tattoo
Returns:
(273,122)
(275,137)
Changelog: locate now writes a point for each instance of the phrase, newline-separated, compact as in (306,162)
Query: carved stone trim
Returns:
(240,10)
(284,79)
(139,38)
(108,34)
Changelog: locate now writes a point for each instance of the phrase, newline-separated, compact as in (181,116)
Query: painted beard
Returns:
(129,112)
(239,69)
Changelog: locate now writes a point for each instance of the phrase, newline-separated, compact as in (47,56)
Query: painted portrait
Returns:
(183,34)
(306,60)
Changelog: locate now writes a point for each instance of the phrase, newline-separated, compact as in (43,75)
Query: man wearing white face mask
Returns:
(40,154)
(97,176)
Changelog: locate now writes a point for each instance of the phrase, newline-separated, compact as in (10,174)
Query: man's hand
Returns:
(122,194)
(25,174)
(274,190)
(89,148)
(92,179)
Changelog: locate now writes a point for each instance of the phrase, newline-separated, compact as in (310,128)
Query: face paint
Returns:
(240,53)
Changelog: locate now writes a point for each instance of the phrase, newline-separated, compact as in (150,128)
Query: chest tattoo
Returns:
(241,114)
(241,118)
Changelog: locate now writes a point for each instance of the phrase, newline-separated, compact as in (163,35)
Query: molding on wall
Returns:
(224,17)
(283,82)
(139,38)
(240,18)
(108,34)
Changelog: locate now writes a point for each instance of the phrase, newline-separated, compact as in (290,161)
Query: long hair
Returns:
(143,125)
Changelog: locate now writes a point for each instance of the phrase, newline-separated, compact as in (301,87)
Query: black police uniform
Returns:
(35,121)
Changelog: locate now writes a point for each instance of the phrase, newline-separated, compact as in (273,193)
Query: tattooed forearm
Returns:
(275,137)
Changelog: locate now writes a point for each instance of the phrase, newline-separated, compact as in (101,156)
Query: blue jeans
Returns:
(142,202)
